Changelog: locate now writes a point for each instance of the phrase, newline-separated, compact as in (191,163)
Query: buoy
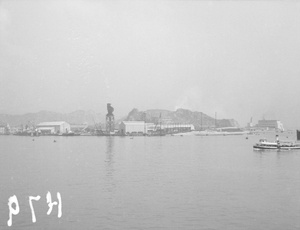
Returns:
(32,139)
(54,141)
(246,137)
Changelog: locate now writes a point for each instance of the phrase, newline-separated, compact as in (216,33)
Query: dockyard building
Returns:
(132,127)
(140,128)
(55,127)
(270,124)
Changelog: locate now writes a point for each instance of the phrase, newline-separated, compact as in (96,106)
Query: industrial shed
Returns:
(127,127)
(54,127)
(270,124)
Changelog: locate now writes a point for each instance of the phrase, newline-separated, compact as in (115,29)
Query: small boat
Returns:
(263,144)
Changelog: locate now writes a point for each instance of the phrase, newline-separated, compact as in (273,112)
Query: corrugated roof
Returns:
(51,123)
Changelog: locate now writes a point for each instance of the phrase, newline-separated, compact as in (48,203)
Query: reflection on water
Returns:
(109,150)
(109,164)
(151,183)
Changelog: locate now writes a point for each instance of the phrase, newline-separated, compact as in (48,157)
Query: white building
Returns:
(54,127)
(270,124)
(127,127)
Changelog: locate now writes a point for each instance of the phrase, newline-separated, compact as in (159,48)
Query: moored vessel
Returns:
(264,144)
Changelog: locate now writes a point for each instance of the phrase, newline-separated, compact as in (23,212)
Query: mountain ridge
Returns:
(184,116)
(75,117)
(198,119)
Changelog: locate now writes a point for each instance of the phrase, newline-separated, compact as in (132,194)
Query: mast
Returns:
(201,121)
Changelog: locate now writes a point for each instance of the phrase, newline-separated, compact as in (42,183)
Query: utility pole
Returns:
(145,126)
(215,120)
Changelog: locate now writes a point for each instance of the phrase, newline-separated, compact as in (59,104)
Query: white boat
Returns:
(263,144)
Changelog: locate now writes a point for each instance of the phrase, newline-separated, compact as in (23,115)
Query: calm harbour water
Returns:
(173,182)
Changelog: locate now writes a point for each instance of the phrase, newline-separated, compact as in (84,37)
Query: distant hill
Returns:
(184,116)
(76,117)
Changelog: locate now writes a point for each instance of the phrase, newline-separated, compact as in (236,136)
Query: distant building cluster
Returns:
(131,128)
(160,126)
(4,128)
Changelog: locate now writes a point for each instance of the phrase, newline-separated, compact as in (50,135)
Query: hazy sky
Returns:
(240,59)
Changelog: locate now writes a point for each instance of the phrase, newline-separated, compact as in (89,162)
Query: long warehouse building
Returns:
(55,127)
